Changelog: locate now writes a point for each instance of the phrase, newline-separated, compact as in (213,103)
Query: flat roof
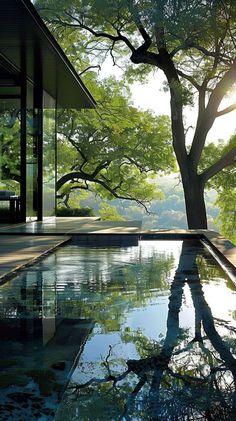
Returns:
(25,38)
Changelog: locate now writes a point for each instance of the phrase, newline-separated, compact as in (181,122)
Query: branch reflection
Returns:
(179,377)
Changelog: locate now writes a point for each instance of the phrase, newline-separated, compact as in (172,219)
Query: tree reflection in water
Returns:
(177,378)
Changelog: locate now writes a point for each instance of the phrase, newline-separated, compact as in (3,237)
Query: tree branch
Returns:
(100,167)
(101,34)
(88,68)
(228,159)
(181,47)
(226,110)
(224,59)
(189,78)
(83,156)
(223,86)
(136,16)
(77,175)
(210,113)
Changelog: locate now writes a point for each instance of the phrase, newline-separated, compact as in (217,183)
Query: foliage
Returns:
(10,149)
(192,44)
(168,213)
(224,183)
(109,213)
(75,212)
(227,216)
(114,150)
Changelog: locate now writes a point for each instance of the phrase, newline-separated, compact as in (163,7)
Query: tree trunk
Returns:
(194,201)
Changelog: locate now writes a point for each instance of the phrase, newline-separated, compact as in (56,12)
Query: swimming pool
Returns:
(119,333)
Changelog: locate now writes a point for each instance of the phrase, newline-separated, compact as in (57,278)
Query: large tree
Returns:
(114,150)
(192,43)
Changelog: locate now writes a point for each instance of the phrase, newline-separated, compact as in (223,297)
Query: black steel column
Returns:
(38,111)
(23,129)
(56,122)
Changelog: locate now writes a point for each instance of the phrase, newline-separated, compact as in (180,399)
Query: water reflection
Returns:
(49,309)
(134,326)
(186,374)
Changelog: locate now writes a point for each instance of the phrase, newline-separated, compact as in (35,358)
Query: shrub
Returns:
(75,212)
(109,213)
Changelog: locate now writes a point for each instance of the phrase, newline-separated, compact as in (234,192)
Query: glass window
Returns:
(10,175)
(31,157)
(49,155)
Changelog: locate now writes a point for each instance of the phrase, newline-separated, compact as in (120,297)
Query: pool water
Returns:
(133,333)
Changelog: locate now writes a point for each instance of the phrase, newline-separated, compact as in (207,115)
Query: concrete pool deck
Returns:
(16,251)
(21,244)
(70,225)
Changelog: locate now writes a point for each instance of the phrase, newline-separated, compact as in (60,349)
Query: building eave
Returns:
(24,36)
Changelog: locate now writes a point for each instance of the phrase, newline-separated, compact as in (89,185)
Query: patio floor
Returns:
(70,225)
(20,244)
(17,251)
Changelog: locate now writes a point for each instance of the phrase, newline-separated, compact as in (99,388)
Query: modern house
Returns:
(36,79)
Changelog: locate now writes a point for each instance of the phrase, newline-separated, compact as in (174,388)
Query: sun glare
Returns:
(232,95)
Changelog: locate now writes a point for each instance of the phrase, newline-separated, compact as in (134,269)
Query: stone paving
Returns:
(20,244)
(18,250)
(70,225)
(219,243)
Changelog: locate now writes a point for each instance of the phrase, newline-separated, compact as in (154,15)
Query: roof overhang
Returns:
(26,42)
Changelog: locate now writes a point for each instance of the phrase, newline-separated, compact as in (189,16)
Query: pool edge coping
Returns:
(13,272)
(219,246)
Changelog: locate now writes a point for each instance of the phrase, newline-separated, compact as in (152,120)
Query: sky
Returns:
(151,96)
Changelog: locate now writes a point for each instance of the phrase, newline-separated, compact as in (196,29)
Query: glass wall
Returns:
(20,176)
(10,174)
(49,155)
(32,135)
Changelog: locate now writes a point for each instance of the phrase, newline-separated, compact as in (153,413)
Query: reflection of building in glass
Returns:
(36,79)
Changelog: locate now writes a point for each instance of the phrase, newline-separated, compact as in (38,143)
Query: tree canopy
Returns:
(193,44)
(225,185)
(113,150)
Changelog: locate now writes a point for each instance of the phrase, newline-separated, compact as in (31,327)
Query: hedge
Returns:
(75,212)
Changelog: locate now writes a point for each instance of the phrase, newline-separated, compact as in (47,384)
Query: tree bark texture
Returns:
(194,200)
